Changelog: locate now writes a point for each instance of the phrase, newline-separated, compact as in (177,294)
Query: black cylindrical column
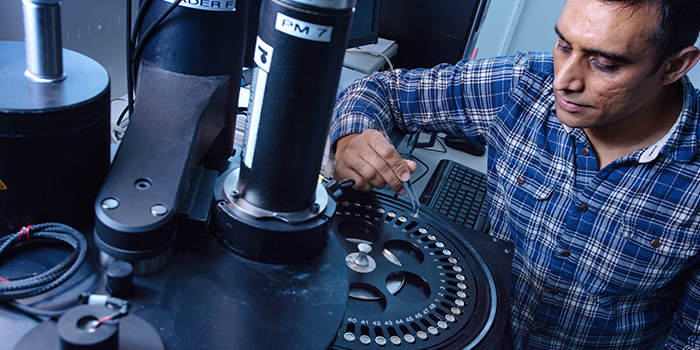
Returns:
(203,38)
(299,54)
(272,208)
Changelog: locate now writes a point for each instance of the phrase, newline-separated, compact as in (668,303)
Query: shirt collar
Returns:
(650,153)
(681,142)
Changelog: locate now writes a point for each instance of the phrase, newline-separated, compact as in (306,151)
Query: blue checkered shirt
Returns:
(604,259)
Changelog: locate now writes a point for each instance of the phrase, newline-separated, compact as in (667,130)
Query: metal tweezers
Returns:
(407,184)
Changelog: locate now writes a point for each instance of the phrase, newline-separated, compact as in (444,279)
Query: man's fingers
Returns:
(412,166)
(371,161)
(351,165)
(391,166)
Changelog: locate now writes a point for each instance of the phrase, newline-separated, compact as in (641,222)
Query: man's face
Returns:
(603,63)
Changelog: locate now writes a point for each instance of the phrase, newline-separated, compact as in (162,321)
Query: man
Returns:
(594,171)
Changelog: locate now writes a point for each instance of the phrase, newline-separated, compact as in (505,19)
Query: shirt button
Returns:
(542,331)
(521,180)
(655,243)
(566,253)
(583,208)
(586,152)
(554,291)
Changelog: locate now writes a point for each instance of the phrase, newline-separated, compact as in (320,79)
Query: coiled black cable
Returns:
(26,287)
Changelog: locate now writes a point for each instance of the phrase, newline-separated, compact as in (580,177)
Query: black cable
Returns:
(129,72)
(427,168)
(36,313)
(439,140)
(120,120)
(149,32)
(139,19)
(130,43)
(133,49)
(33,285)
(132,38)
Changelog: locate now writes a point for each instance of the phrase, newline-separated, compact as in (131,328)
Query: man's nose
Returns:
(570,76)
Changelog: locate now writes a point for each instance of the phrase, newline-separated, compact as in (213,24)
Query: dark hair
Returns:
(678,25)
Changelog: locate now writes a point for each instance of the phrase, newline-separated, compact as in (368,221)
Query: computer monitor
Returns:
(365,23)
(431,32)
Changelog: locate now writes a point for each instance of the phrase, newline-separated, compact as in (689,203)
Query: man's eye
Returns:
(604,67)
(563,48)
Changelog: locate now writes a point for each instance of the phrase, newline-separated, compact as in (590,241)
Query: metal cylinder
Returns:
(54,132)
(54,141)
(42,38)
(299,55)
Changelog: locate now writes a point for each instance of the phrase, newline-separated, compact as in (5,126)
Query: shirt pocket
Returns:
(649,256)
(657,244)
(527,193)
(660,239)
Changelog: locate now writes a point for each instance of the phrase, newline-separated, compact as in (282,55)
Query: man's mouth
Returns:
(568,106)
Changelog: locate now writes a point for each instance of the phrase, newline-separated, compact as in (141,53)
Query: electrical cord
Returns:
(440,140)
(33,285)
(427,168)
(375,53)
(129,52)
(130,43)
(151,29)
(133,51)
(442,144)
(119,126)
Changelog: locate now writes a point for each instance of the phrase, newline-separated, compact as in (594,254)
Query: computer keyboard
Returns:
(458,192)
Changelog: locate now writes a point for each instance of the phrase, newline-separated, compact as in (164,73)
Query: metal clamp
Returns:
(237,203)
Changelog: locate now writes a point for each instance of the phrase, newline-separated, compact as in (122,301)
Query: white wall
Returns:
(535,29)
(495,33)
(518,25)
(527,25)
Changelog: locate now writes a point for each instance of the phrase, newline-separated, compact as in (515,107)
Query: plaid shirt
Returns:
(604,259)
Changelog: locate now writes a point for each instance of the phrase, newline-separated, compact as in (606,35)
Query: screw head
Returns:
(110,203)
(159,210)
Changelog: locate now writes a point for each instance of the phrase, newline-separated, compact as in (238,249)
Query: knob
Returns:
(120,278)
(361,261)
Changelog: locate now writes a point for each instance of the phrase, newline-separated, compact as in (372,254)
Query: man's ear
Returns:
(679,64)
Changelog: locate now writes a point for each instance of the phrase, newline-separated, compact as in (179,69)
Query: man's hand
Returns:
(371,160)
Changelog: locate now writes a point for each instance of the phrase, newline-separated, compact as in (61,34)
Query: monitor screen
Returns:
(365,23)
(431,32)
